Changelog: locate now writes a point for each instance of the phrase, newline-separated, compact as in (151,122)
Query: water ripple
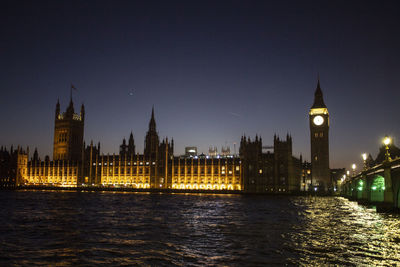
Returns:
(105,228)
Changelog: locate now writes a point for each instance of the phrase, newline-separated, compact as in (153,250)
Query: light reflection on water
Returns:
(44,228)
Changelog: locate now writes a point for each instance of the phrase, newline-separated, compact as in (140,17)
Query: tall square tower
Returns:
(68,133)
(319,133)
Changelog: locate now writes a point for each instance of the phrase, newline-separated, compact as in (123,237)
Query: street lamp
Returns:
(353,167)
(387,141)
(364,156)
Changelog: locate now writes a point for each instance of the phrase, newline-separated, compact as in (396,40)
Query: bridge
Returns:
(378,185)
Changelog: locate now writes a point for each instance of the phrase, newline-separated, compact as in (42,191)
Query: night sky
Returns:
(213,71)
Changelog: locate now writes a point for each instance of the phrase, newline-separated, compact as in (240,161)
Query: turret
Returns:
(131,145)
(57,108)
(152,123)
(123,147)
(83,112)
(35,155)
(152,139)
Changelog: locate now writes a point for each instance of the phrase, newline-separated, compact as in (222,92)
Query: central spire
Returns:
(152,124)
(152,140)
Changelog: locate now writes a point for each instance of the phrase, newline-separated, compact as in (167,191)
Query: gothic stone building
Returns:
(319,133)
(75,164)
(12,167)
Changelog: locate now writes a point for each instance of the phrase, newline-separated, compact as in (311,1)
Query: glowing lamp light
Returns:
(387,140)
(364,156)
(373,188)
(353,166)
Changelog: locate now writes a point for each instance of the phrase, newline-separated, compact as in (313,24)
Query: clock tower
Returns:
(319,131)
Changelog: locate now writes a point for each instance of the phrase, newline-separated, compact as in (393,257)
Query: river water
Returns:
(96,228)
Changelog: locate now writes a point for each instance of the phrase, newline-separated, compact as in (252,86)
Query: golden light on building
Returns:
(157,167)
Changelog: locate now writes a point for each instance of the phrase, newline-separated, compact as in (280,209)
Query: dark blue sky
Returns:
(213,70)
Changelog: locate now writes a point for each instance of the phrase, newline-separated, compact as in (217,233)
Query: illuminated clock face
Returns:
(318,120)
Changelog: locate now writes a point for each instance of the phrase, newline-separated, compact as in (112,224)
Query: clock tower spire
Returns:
(319,133)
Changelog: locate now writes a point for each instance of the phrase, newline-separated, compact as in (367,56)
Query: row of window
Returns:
(113,181)
(176,170)
(41,171)
(128,171)
(321,134)
(62,137)
(176,173)
(146,163)
(206,180)
(128,163)
(39,180)
(207,186)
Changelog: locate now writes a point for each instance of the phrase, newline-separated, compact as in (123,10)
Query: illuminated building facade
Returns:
(140,171)
(75,164)
(55,173)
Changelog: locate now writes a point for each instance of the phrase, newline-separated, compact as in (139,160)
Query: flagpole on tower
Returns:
(74,88)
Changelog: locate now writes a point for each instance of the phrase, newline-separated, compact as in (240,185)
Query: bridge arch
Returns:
(349,189)
(360,188)
(378,189)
